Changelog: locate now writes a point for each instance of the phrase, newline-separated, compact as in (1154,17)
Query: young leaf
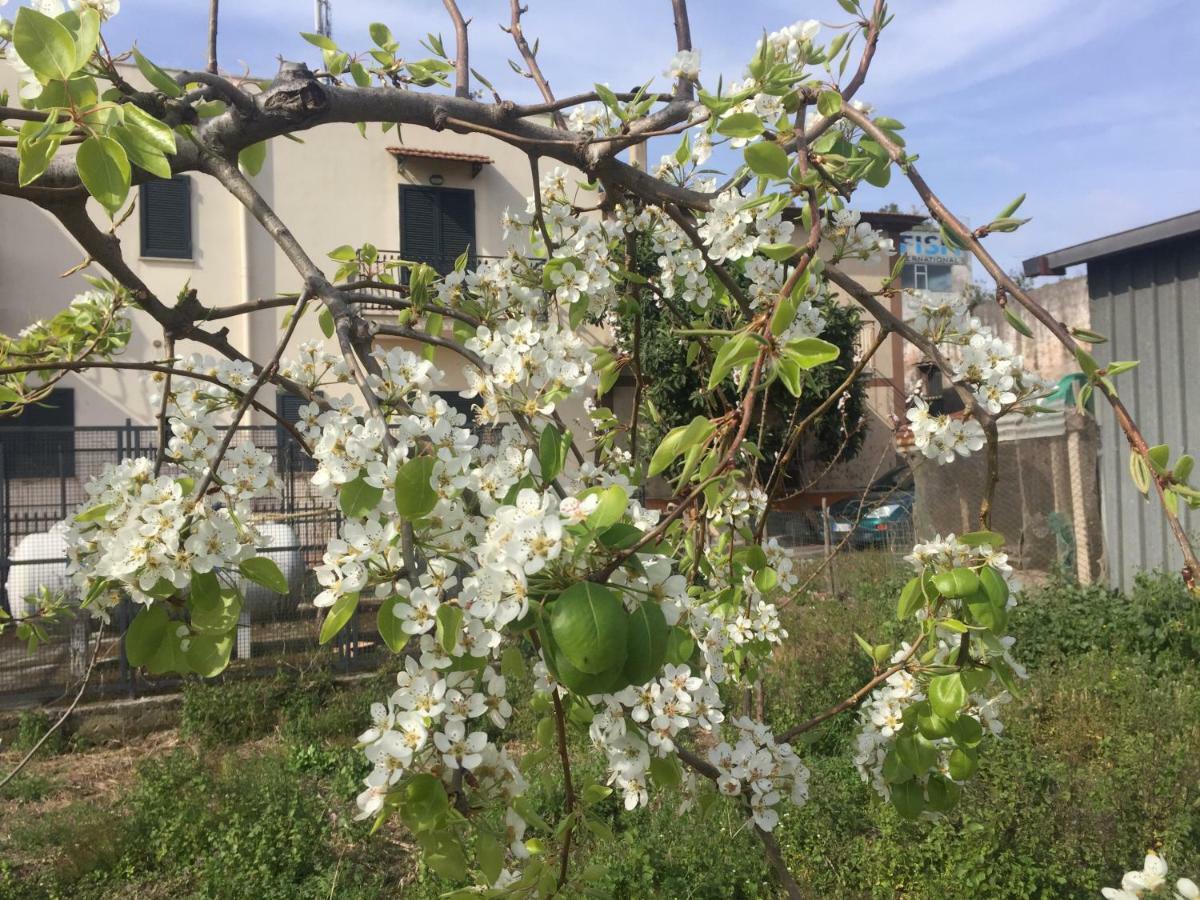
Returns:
(104,170)
(252,158)
(44,44)
(390,624)
(449,624)
(263,571)
(767,158)
(357,498)
(590,627)
(415,496)
(159,79)
(339,614)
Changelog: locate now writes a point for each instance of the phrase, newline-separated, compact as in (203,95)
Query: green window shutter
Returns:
(166,218)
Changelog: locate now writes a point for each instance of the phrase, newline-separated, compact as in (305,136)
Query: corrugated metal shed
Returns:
(1146,300)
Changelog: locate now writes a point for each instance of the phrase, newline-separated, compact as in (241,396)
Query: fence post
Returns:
(828,541)
(62,482)
(5,509)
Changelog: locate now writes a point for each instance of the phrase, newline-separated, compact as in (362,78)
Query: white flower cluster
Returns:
(761,768)
(140,531)
(1152,879)
(849,236)
(983,363)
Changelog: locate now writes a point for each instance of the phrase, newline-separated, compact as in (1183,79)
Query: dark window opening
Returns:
(437,225)
(926,277)
(166,216)
(40,442)
(943,399)
(290,457)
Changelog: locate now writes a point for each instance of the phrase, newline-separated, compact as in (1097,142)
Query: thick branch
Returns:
(462,55)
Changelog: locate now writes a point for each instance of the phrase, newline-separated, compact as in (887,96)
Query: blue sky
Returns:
(1089,106)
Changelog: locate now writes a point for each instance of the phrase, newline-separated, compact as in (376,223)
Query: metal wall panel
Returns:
(1147,302)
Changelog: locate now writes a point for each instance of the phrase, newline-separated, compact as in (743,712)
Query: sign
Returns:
(928,247)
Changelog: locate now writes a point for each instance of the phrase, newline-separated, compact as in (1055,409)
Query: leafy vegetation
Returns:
(1097,764)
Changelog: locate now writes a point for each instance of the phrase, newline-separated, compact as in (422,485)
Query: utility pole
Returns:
(324,17)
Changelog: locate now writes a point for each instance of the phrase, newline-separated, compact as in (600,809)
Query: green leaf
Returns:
(252,158)
(646,650)
(912,598)
(357,498)
(1159,455)
(1139,471)
(489,854)
(390,626)
(811,352)
(737,350)
(339,614)
(104,169)
(909,799)
(741,125)
(680,646)
(325,320)
(159,79)
(319,40)
(263,571)
(609,509)
(829,103)
(552,452)
(44,44)
(790,374)
(415,496)
(767,158)
(213,613)
(87,36)
(947,695)
(966,731)
(94,513)
(36,154)
(993,539)
(590,627)
(1017,323)
(146,634)
(1086,362)
(963,762)
(208,654)
(449,624)
(942,793)
(956,583)
(141,154)
(149,129)
(423,802)
(678,441)
(382,36)
(665,771)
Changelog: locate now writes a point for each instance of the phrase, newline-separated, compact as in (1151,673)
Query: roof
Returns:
(417,152)
(888,222)
(1057,261)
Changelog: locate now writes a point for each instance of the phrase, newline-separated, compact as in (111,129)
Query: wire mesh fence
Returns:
(43,471)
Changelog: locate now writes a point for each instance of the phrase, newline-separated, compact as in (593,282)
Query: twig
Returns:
(61,719)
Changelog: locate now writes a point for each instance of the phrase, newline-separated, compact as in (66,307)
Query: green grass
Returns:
(1098,763)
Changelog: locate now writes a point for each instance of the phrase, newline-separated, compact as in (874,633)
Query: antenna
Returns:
(324,17)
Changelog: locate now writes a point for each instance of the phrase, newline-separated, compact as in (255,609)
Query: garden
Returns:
(252,793)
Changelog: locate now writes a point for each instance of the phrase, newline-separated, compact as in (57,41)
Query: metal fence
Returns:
(43,472)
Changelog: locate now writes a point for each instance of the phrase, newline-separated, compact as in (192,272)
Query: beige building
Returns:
(423,194)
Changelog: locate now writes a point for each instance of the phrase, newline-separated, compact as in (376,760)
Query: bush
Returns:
(230,711)
(32,725)
(1159,624)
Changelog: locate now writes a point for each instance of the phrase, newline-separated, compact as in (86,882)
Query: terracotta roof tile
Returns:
(401,152)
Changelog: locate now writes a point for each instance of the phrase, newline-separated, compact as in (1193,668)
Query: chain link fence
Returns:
(43,471)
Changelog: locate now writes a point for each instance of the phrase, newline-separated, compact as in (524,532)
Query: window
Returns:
(166,211)
(40,442)
(437,225)
(942,400)
(290,456)
(926,277)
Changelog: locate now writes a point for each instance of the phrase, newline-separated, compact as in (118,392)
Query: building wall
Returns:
(1147,302)
(1067,300)
(337,187)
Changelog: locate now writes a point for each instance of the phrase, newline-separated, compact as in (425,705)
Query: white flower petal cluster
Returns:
(684,64)
(148,530)
(763,770)
(850,237)
(1152,879)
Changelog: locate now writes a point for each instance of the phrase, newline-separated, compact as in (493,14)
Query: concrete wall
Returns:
(1067,300)
(1147,301)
